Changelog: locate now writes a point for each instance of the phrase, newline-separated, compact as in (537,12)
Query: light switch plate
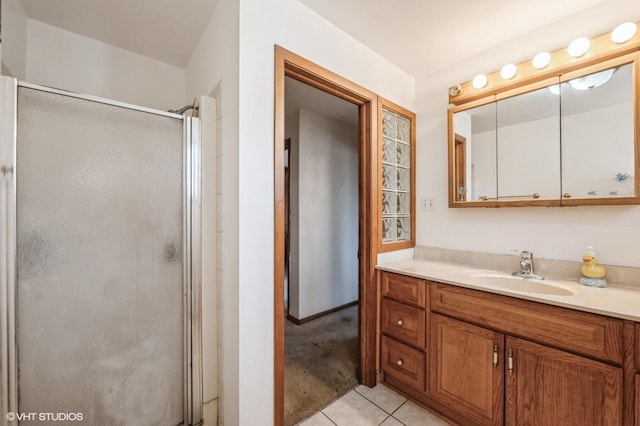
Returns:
(427,204)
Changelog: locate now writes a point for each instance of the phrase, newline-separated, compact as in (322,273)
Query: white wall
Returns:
(236,55)
(323,270)
(213,69)
(209,310)
(14,28)
(554,233)
(68,61)
(293,26)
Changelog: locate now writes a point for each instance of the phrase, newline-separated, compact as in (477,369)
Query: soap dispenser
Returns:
(592,273)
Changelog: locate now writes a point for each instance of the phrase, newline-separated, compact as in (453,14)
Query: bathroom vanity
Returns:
(485,348)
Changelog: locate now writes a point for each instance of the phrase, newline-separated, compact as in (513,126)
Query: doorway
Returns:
(321,249)
(288,64)
(460,172)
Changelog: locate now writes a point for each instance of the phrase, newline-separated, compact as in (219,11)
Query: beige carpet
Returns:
(321,358)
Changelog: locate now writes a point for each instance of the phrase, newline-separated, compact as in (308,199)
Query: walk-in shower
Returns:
(100,260)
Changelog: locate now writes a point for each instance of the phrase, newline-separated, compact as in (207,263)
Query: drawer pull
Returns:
(400,362)
(510,361)
(495,356)
(400,322)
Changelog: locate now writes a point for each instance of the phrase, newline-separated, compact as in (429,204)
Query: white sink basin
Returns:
(526,285)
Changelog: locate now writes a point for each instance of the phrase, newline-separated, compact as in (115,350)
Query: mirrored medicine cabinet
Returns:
(567,140)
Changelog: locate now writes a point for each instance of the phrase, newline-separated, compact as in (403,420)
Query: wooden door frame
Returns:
(460,162)
(291,65)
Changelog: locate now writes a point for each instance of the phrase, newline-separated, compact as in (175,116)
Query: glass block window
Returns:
(396,177)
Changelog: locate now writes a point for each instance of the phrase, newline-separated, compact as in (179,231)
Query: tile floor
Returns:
(380,405)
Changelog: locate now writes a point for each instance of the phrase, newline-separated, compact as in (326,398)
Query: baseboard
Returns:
(301,321)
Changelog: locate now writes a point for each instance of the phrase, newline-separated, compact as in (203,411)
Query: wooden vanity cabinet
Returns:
(403,324)
(546,386)
(637,399)
(637,345)
(466,372)
(637,375)
(546,358)
(494,360)
(542,385)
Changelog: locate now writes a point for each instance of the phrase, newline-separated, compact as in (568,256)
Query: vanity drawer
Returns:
(638,347)
(403,363)
(582,332)
(404,289)
(403,322)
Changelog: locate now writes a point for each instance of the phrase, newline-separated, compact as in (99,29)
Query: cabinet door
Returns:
(465,375)
(550,387)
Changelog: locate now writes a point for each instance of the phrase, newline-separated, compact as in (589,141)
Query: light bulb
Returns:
(541,60)
(579,47)
(479,81)
(623,32)
(508,71)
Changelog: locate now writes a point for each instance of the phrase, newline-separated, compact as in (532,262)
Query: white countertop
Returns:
(618,302)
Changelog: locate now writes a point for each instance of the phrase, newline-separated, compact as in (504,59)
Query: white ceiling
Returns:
(166,30)
(420,36)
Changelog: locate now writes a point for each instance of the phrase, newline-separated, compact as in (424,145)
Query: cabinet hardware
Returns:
(400,362)
(510,361)
(495,356)
(400,322)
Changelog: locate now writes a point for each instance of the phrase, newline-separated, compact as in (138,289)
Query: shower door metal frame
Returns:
(8,242)
(191,262)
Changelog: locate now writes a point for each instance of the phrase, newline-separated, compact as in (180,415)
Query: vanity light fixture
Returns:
(623,32)
(508,71)
(541,60)
(583,51)
(455,90)
(479,81)
(579,47)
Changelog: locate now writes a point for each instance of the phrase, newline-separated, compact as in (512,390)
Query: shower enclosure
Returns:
(100,260)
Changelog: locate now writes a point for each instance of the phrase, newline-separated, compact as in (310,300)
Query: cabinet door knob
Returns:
(510,358)
(495,356)
(400,322)
(400,362)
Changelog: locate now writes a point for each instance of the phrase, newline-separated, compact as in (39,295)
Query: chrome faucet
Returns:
(526,267)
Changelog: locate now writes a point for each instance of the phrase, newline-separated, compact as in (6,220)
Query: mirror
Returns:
(475,153)
(570,140)
(598,133)
(528,146)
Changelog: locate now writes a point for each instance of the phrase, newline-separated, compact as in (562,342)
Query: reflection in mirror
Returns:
(528,146)
(475,168)
(598,134)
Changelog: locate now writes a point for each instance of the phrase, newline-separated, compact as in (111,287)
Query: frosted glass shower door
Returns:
(100,295)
